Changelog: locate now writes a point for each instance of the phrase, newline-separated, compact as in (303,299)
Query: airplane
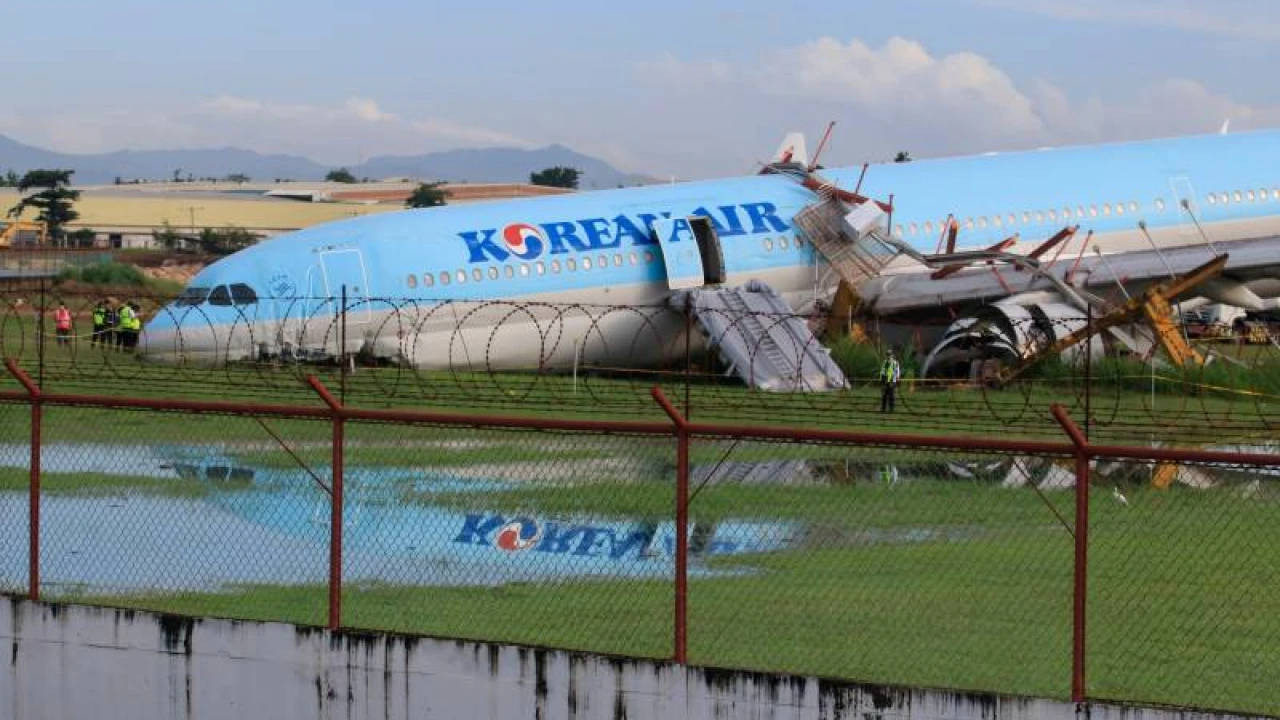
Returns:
(590,278)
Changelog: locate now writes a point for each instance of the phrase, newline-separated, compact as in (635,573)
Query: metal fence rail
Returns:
(1060,568)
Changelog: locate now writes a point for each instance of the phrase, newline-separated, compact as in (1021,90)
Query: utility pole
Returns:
(191,213)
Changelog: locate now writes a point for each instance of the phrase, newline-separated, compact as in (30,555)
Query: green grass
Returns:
(83,484)
(1183,605)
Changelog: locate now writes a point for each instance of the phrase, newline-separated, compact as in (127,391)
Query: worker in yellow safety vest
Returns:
(890,376)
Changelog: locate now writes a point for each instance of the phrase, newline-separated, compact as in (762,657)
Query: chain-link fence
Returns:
(905,559)
(888,564)
(1183,580)
(15,478)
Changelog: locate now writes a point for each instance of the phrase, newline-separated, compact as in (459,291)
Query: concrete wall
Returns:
(65,661)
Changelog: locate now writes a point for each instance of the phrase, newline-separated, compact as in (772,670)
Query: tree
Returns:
(53,200)
(10,179)
(558,176)
(427,195)
(225,241)
(167,237)
(902,156)
(340,175)
(238,178)
(82,238)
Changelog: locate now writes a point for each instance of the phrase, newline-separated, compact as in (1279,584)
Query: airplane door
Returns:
(1184,197)
(346,268)
(680,253)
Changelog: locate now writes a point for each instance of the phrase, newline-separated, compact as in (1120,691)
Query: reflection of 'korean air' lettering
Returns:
(615,541)
(525,241)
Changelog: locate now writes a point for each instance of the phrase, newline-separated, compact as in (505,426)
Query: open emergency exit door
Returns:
(691,251)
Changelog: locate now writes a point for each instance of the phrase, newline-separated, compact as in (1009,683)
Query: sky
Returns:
(667,88)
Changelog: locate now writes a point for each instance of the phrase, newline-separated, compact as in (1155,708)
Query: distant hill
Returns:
(481,165)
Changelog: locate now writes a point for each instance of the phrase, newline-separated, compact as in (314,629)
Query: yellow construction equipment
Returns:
(841,320)
(1154,305)
(12,232)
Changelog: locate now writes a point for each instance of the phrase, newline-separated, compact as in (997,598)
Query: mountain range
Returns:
(485,165)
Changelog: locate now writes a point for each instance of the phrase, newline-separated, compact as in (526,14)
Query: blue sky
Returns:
(655,87)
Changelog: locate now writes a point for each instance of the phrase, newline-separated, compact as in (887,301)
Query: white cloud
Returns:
(902,80)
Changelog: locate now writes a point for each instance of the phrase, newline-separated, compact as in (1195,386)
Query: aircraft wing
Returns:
(1251,279)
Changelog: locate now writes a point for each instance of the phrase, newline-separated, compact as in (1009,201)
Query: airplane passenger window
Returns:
(603,261)
(928,228)
(800,241)
(1239,196)
(782,241)
(493,272)
(897,230)
(1225,198)
(648,257)
(524,270)
(570,264)
(412,281)
(220,296)
(914,229)
(509,271)
(982,221)
(1053,215)
(1013,219)
(1277,194)
(968,224)
(477,275)
(1133,206)
(1119,208)
(1251,196)
(555,266)
(1213,199)
(633,258)
(586,263)
(1080,211)
(617,259)
(1026,218)
(1106,209)
(997,220)
(542,269)
(1262,194)
(445,277)
(462,276)
(428,280)
(768,244)
(1159,208)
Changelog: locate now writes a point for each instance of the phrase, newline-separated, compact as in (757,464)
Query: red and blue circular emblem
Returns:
(519,534)
(525,241)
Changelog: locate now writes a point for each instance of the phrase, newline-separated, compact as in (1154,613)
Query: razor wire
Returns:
(601,360)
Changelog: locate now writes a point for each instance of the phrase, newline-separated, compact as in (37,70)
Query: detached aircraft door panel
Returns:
(680,253)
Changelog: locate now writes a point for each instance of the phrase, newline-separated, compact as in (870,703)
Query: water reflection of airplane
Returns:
(439,287)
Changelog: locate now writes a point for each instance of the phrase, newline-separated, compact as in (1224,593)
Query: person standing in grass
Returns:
(111,334)
(99,336)
(124,329)
(62,323)
(890,376)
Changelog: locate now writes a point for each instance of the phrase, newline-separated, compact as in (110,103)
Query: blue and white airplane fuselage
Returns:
(495,284)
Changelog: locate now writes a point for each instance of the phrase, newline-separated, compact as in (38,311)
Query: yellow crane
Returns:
(1154,305)
(12,233)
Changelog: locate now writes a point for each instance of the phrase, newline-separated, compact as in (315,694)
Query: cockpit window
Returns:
(242,294)
(193,296)
(220,296)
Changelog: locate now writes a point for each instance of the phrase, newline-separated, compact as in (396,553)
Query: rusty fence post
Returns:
(681,620)
(33,485)
(335,502)
(1079,691)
